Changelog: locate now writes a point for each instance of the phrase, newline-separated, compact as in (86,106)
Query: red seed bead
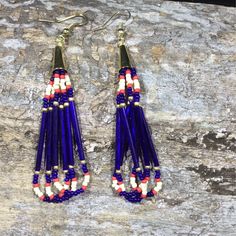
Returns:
(157,179)
(122,91)
(139,190)
(154,192)
(51,197)
(121,77)
(144,181)
(135,77)
(68,86)
(42,198)
(143,195)
(129,85)
(62,76)
(137,90)
(147,178)
(36,185)
(57,90)
(132,175)
(113,178)
(56,75)
(56,180)
(119,190)
(128,72)
(67,182)
(84,187)
(62,193)
(74,179)
(87,173)
(47,184)
(63,91)
(47,96)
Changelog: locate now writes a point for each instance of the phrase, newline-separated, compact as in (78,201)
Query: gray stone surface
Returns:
(185,55)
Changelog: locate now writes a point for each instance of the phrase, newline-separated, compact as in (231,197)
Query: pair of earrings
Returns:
(60,133)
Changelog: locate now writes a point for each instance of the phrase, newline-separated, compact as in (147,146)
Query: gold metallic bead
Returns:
(118,171)
(130,98)
(55,167)
(71,99)
(118,105)
(65,171)
(71,166)
(50,108)
(66,104)
(122,105)
(48,172)
(147,167)
(37,172)
(136,103)
(44,109)
(156,168)
(83,162)
(61,106)
(138,169)
(55,103)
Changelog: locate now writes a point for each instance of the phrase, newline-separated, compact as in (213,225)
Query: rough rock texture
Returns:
(185,54)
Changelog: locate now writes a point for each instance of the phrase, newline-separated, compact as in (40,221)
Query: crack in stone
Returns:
(222,182)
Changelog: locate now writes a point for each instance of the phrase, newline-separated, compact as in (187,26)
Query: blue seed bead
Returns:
(140,175)
(133,71)
(150,194)
(157,174)
(56,71)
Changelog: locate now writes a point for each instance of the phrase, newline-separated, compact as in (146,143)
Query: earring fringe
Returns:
(132,133)
(59,126)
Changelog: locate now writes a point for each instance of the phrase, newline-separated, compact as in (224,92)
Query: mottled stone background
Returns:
(185,54)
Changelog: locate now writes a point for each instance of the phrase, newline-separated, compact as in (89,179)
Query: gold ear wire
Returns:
(60,40)
(118,13)
(78,14)
(58,58)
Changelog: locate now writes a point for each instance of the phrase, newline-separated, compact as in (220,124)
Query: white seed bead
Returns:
(56,81)
(116,187)
(114,183)
(58,186)
(73,185)
(122,186)
(143,186)
(67,78)
(133,182)
(84,183)
(48,191)
(158,186)
(38,192)
(136,84)
(129,79)
(87,178)
(66,187)
(48,90)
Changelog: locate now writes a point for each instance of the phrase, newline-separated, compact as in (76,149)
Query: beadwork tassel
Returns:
(132,133)
(59,127)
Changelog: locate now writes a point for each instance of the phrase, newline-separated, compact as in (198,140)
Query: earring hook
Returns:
(73,25)
(118,13)
(61,39)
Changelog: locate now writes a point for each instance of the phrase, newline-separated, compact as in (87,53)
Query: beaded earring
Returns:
(60,131)
(132,134)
